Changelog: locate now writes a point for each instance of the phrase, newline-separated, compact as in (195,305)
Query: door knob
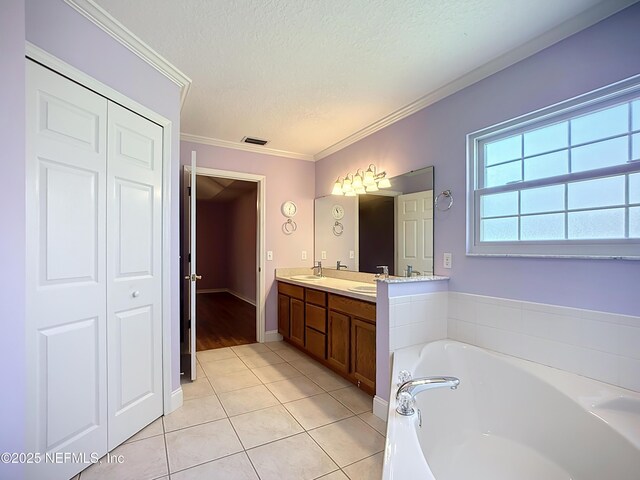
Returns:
(193,277)
(135,294)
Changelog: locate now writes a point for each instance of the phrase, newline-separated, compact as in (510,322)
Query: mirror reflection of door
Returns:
(414,227)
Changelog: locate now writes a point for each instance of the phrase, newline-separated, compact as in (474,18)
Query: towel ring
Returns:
(338,228)
(289,227)
(444,194)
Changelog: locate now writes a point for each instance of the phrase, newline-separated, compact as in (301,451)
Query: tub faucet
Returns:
(340,265)
(318,265)
(405,398)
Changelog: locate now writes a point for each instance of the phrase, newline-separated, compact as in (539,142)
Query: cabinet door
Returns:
(338,341)
(297,321)
(283,315)
(363,352)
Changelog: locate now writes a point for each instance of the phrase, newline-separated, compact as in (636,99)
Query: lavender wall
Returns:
(55,27)
(12,219)
(602,54)
(286,179)
(242,251)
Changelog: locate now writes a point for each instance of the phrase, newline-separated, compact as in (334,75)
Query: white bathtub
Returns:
(509,419)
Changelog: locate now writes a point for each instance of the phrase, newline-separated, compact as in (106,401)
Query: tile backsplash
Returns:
(598,345)
(416,319)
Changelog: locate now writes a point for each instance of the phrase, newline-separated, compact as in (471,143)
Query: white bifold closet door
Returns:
(414,230)
(93,266)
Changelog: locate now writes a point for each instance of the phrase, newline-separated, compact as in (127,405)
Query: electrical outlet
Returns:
(269,255)
(323,255)
(352,254)
(447,260)
(304,254)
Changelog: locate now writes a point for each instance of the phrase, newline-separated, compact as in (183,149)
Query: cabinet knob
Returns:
(135,294)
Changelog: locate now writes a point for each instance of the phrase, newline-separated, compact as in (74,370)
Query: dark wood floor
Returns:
(224,321)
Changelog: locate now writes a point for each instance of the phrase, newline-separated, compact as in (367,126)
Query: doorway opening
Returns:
(226,240)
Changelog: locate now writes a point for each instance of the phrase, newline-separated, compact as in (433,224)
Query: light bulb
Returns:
(357,181)
(372,188)
(360,190)
(369,176)
(337,188)
(384,183)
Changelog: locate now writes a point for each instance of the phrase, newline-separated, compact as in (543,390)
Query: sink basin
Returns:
(364,289)
(307,278)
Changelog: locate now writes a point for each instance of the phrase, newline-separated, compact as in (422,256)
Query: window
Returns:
(562,181)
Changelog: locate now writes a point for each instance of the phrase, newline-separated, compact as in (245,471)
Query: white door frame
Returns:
(261,182)
(172,398)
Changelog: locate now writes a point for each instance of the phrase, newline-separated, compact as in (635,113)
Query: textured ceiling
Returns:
(305,74)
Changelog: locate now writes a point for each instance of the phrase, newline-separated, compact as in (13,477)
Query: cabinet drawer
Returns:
(353,307)
(292,290)
(316,343)
(316,317)
(316,297)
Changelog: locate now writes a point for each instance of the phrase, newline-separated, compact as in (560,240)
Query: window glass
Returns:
(543,199)
(503,150)
(545,166)
(602,124)
(546,139)
(499,229)
(542,227)
(634,188)
(601,192)
(599,155)
(596,224)
(635,108)
(499,204)
(635,147)
(503,174)
(634,222)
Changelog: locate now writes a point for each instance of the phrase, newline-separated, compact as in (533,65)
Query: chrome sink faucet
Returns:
(406,396)
(385,272)
(318,265)
(339,265)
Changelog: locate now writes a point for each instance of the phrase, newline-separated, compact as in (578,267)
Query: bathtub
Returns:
(509,419)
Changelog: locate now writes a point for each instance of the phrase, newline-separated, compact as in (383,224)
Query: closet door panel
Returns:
(134,221)
(65,271)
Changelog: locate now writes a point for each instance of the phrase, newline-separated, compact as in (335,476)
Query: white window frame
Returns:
(608,249)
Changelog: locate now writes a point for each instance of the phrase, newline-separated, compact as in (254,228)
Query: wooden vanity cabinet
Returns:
(338,331)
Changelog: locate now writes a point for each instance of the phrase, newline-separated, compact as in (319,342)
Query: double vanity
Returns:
(332,320)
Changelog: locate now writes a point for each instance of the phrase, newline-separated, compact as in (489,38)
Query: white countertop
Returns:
(333,285)
(415,278)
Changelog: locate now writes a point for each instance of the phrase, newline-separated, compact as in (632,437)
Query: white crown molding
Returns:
(100,17)
(580,22)
(186,137)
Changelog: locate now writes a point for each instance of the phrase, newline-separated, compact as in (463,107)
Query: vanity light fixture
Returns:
(361,182)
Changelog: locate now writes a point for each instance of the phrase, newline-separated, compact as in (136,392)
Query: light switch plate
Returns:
(352,254)
(323,255)
(447,260)
(269,255)
(304,254)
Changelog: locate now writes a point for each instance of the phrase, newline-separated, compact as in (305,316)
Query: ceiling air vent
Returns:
(254,141)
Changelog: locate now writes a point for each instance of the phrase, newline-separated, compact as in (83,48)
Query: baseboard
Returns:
(380,408)
(227,290)
(272,336)
(176,401)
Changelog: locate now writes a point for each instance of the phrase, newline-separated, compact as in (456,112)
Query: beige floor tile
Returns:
(354,399)
(267,425)
(233,467)
(291,355)
(348,441)
(142,460)
(199,371)
(291,389)
(200,387)
(194,412)
(246,400)
(314,412)
(276,346)
(329,381)
(202,443)
(235,381)
(366,469)
(223,367)
(273,373)
(151,430)
(215,355)
(309,366)
(262,359)
(294,458)
(250,349)
(337,475)
(377,423)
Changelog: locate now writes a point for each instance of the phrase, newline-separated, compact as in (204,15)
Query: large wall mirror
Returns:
(392,227)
